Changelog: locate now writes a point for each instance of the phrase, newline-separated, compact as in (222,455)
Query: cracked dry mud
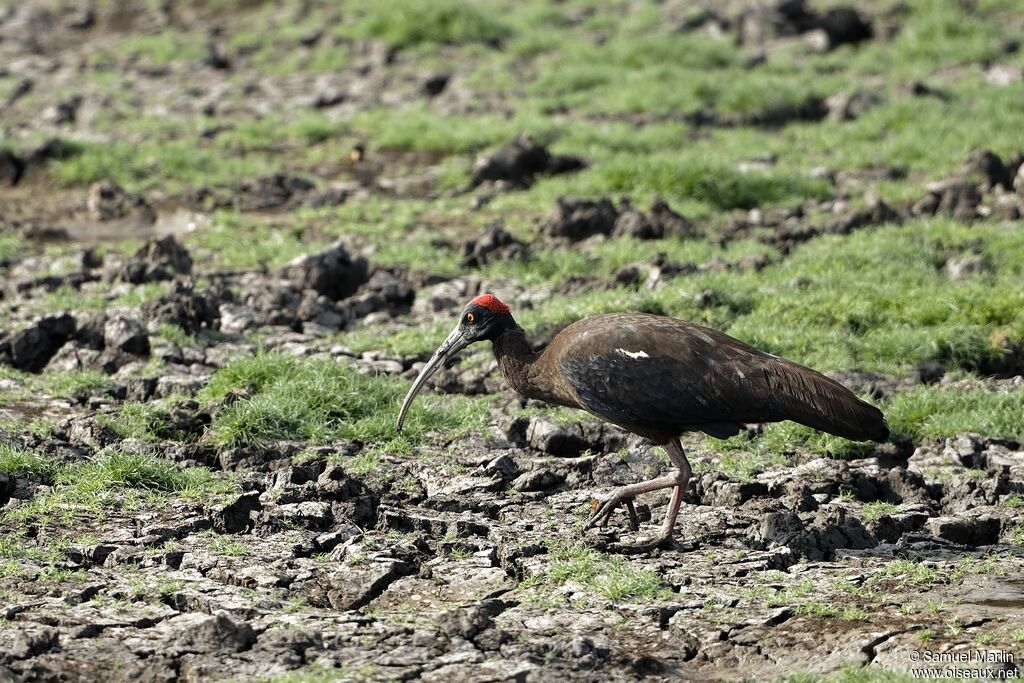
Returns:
(465,566)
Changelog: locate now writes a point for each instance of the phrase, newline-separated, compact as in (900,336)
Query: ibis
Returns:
(657,377)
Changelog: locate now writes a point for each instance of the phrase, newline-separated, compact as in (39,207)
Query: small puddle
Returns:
(179,221)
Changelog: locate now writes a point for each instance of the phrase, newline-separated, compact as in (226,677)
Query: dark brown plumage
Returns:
(659,377)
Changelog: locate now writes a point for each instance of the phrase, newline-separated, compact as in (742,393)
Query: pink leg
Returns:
(679,480)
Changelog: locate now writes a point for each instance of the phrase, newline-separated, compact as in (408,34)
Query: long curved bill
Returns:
(451,346)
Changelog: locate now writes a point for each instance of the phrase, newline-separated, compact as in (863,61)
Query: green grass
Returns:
(610,576)
(166,47)
(74,383)
(130,470)
(174,164)
(406,23)
(824,610)
(688,176)
(234,240)
(927,412)
(911,573)
(18,461)
(876,510)
(321,400)
(10,246)
(114,479)
(148,421)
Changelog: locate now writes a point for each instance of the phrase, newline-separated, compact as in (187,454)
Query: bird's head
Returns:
(483,318)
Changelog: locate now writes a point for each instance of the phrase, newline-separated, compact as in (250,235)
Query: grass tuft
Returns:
(406,23)
(610,576)
(17,461)
(320,400)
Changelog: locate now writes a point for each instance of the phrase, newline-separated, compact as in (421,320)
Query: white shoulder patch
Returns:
(633,354)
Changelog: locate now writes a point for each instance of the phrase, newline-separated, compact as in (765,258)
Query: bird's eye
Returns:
(471,317)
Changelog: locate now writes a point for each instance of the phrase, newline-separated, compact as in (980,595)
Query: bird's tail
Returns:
(812,399)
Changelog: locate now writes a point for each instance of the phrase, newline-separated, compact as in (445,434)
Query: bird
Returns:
(658,377)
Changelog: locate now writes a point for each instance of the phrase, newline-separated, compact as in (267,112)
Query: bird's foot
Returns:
(646,545)
(601,510)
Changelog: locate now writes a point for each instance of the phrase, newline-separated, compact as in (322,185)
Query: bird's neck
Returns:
(515,360)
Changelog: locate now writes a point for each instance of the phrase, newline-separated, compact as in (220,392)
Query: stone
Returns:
(846,106)
(493,245)
(332,272)
(578,219)
(236,318)
(519,161)
(122,333)
(32,348)
(11,167)
(960,268)
(159,259)
(986,170)
(238,515)
(557,439)
(272,191)
(186,307)
(971,531)
(207,633)
(107,201)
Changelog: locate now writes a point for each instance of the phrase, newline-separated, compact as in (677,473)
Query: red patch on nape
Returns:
(491,303)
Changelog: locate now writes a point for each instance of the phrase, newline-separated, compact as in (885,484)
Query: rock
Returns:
(494,244)
(1003,75)
(238,515)
(332,272)
(270,192)
(435,85)
(846,106)
(670,223)
(87,431)
(556,439)
(328,197)
(986,171)
(159,259)
(464,622)
(310,514)
(519,161)
(358,585)
(955,197)
(11,167)
(107,201)
(636,224)
(383,293)
(960,268)
(288,646)
(837,26)
(198,633)
(126,334)
(831,529)
(235,319)
(64,112)
(50,149)
(32,348)
(845,26)
(578,219)
(184,307)
(444,296)
(972,531)
(541,479)
(33,640)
